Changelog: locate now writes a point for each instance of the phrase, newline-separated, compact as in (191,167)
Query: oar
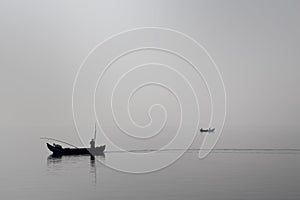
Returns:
(47,138)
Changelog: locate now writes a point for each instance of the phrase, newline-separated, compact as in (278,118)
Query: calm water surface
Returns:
(222,175)
(31,174)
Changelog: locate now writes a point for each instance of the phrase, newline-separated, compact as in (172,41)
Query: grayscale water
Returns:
(53,52)
(30,173)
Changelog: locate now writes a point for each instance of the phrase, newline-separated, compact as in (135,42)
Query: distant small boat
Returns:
(57,150)
(207,130)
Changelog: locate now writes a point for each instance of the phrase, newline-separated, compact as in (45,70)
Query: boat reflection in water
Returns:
(75,166)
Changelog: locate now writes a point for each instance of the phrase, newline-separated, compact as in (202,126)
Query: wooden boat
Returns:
(58,150)
(207,130)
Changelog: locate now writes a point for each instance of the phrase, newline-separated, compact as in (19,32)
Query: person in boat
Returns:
(92,143)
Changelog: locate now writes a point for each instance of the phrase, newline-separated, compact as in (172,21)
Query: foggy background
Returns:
(255,44)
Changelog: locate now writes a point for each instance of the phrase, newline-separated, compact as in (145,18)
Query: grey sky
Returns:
(255,44)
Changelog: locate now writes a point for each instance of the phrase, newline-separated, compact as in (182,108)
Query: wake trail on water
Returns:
(229,150)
